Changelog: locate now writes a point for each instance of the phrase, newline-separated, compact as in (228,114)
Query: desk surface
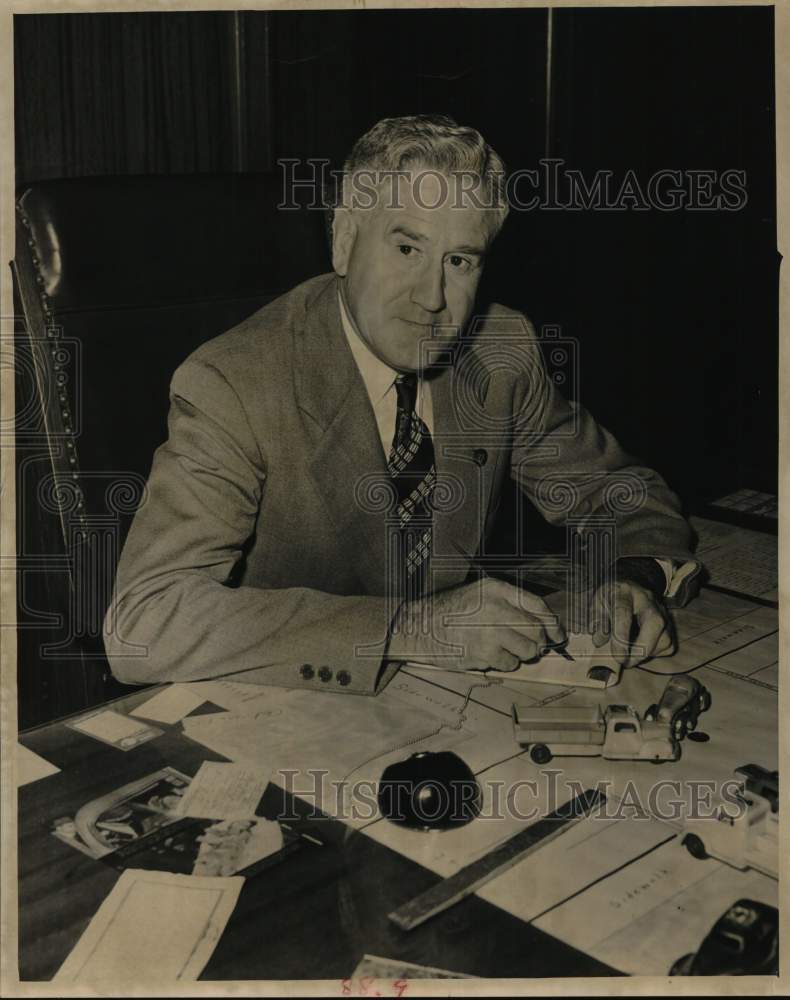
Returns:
(314,915)
(311,917)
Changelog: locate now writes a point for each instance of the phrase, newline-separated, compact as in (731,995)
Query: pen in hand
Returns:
(561,648)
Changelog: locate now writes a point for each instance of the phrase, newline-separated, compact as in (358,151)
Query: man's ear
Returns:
(344,232)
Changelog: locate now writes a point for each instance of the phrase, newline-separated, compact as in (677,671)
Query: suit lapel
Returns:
(347,460)
(467,473)
(349,466)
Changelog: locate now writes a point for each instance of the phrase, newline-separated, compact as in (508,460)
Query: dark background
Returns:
(675,313)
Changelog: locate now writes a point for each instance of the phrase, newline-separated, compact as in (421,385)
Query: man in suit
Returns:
(319,512)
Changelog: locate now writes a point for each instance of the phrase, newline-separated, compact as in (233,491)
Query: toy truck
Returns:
(744,834)
(616,733)
(683,701)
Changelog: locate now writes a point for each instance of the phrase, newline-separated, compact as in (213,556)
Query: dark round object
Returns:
(540,753)
(699,737)
(480,456)
(307,672)
(695,846)
(651,712)
(325,674)
(343,678)
(704,700)
(429,791)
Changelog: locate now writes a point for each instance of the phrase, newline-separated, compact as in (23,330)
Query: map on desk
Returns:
(614,886)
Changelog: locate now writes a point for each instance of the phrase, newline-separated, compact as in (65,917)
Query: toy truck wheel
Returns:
(540,753)
(704,700)
(651,713)
(695,846)
(679,728)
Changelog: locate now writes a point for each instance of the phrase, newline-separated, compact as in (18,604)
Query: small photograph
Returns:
(65,829)
(138,826)
(125,815)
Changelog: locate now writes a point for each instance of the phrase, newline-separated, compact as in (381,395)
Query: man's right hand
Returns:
(487,624)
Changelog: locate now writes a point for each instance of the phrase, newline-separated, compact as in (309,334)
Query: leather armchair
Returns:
(118,279)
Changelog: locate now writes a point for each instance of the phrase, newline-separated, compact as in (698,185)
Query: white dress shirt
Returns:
(379,381)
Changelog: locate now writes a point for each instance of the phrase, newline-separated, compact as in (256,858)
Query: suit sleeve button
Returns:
(343,677)
(325,674)
(306,672)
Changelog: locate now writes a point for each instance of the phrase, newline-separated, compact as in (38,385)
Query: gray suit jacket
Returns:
(260,551)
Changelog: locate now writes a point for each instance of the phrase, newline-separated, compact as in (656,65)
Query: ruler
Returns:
(469,879)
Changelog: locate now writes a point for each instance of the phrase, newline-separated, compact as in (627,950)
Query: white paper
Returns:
(553,668)
(114,728)
(230,846)
(324,747)
(315,731)
(30,767)
(737,558)
(170,705)
(648,914)
(224,791)
(243,699)
(153,926)
(714,625)
(390,970)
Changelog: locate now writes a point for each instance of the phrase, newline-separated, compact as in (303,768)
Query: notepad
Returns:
(155,927)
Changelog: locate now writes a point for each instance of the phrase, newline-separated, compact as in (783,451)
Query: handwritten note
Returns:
(224,791)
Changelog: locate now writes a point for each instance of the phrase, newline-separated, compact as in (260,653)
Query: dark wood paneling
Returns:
(122,94)
(675,312)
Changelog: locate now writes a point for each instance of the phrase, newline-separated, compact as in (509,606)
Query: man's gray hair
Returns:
(432,142)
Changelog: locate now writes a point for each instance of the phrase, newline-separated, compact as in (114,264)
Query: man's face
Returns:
(411,272)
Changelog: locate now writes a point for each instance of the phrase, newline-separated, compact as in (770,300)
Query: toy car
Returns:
(616,733)
(747,837)
(683,701)
(742,942)
(758,781)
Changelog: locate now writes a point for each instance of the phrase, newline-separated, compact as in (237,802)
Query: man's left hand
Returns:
(634,619)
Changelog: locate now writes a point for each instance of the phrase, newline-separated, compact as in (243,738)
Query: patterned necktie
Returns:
(411,465)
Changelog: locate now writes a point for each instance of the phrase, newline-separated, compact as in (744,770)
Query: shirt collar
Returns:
(377,376)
